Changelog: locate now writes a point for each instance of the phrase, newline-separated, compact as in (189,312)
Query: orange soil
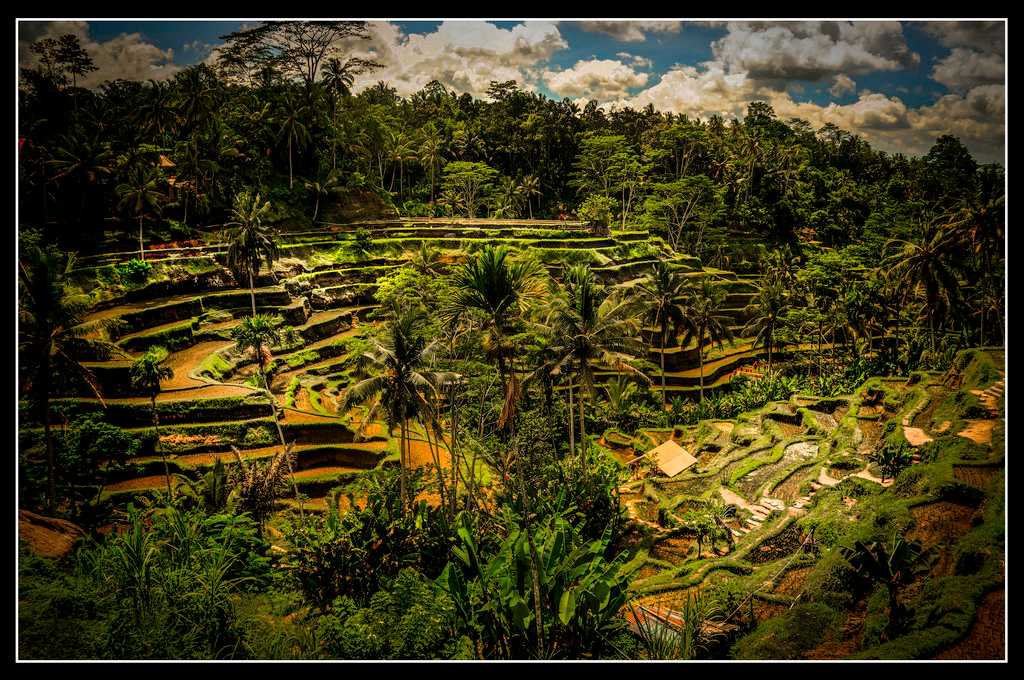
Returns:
(915,435)
(316,472)
(188,359)
(47,536)
(419,452)
(674,549)
(978,431)
(139,484)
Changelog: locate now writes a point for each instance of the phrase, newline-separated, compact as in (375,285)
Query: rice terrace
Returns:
(423,340)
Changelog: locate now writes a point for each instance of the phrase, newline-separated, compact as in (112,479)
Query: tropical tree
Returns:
(705,324)
(291,128)
(400,383)
(320,188)
(926,264)
(767,308)
(53,340)
(469,181)
(594,327)
(431,155)
(490,293)
(529,187)
(662,294)
(257,334)
(140,195)
(894,565)
(250,242)
(147,372)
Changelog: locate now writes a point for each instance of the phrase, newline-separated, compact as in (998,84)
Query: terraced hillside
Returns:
(323,286)
(799,479)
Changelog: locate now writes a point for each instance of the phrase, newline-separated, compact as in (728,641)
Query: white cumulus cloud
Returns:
(962,69)
(600,79)
(129,55)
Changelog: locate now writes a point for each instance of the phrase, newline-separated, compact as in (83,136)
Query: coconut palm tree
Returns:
(705,324)
(321,187)
(662,292)
(53,341)
(528,188)
(767,307)
(257,334)
(926,264)
(139,195)
(147,372)
(430,156)
(250,242)
(594,327)
(490,293)
(400,383)
(292,129)
(82,162)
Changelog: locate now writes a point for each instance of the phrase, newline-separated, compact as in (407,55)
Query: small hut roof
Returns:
(671,458)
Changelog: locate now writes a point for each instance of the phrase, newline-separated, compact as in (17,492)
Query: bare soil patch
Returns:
(792,582)
(48,536)
(978,431)
(975,475)
(943,521)
(987,637)
(915,435)
(781,545)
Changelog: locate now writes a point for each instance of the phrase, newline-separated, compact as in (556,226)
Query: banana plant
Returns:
(493,594)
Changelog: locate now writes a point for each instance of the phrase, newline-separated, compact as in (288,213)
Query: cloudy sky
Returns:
(898,84)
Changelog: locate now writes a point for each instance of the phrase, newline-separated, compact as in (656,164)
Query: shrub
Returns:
(133,271)
(788,636)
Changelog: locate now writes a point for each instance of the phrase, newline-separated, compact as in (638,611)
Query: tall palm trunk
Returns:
(51,459)
(572,414)
(664,392)
(163,455)
(402,457)
(252,294)
(280,434)
(290,178)
(700,355)
(142,250)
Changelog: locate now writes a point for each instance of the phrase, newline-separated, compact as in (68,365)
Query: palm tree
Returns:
(400,384)
(490,293)
(401,150)
(257,334)
(147,372)
(321,188)
(157,114)
(292,129)
(337,81)
(250,242)
(661,292)
(529,187)
(426,260)
(767,308)
(83,161)
(139,195)
(594,327)
(704,322)
(926,264)
(53,340)
(430,156)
